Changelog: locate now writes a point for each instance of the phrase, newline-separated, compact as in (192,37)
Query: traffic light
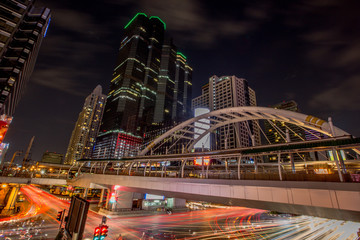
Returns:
(96,233)
(104,231)
(59,215)
(112,198)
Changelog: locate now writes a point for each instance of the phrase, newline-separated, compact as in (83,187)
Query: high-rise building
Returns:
(52,157)
(22,29)
(224,92)
(151,84)
(276,131)
(87,127)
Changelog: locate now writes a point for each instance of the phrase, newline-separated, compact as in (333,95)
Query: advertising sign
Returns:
(4,125)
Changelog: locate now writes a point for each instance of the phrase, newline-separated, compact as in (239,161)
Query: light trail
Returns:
(224,223)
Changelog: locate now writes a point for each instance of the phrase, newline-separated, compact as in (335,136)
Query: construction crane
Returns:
(28,151)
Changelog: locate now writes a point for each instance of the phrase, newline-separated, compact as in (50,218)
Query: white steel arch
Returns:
(231,115)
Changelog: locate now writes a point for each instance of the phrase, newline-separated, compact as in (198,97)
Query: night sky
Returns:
(307,51)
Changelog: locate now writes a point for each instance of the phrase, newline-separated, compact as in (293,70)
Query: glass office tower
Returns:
(151,83)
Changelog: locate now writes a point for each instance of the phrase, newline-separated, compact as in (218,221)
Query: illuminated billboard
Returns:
(153,197)
(205,141)
(3,149)
(4,125)
(198,161)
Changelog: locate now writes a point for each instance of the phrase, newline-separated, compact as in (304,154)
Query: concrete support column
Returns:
(176,203)
(292,163)
(341,159)
(290,154)
(279,166)
(336,159)
(182,168)
(207,169)
(149,168)
(180,203)
(108,192)
(255,159)
(256,165)
(124,200)
(238,169)
(101,197)
(202,166)
(10,204)
(85,193)
(162,170)
(131,165)
(59,173)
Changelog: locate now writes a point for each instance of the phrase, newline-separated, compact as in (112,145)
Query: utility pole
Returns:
(28,150)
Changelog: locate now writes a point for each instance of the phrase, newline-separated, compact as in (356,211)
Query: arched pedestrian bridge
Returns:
(239,176)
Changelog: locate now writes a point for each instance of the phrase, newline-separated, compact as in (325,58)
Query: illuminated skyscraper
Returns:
(22,29)
(271,128)
(151,84)
(276,131)
(87,127)
(229,91)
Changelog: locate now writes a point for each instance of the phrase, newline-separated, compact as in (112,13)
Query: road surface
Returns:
(39,222)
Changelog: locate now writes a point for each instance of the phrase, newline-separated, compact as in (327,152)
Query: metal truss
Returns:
(222,117)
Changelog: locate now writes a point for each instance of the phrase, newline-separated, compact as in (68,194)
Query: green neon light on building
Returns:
(159,20)
(134,19)
(179,53)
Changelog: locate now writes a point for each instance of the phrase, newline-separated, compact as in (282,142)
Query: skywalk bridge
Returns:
(237,163)
(230,178)
(326,188)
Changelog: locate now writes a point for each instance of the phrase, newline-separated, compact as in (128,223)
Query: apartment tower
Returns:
(224,92)
(87,127)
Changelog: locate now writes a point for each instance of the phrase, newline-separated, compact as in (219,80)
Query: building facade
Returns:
(281,132)
(52,157)
(151,84)
(274,129)
(87,127)
(22,29)
(224,92)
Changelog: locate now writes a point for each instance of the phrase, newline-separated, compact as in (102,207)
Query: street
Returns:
(39,222)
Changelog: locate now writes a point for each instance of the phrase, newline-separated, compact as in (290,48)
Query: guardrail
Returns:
(245,172)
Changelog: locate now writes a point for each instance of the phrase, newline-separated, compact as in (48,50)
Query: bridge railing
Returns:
(26,174)
(324,171)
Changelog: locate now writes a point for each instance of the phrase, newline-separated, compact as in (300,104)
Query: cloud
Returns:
(342,97)
(68,63)
(60,78)
(72,20)
(340,49)
(190,23)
